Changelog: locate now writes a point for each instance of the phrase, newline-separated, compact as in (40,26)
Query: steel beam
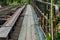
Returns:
(14,17)
(8,25)
(6,10)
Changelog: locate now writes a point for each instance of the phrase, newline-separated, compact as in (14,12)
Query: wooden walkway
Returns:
(30,29)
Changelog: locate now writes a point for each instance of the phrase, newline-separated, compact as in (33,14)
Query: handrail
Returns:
(49,4)
(42,16)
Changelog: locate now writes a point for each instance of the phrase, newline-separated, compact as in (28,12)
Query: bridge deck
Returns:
(30,29)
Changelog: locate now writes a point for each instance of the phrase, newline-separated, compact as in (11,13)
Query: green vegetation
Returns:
(57,32)
(15,2)
(58,3)
(58,28)
(58,19)
(48,36)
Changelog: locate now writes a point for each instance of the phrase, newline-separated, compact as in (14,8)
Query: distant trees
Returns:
(27,1)
(9,1)
(14,1)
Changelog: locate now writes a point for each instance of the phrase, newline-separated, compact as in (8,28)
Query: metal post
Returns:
(51,20)
(44,18)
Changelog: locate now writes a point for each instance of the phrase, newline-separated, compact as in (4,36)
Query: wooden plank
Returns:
(30,24)
(22,35)
(4,31)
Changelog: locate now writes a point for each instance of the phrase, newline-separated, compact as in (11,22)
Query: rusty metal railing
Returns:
(44,13)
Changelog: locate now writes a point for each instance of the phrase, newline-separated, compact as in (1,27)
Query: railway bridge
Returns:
(27,22)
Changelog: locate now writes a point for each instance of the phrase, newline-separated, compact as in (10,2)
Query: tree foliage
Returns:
(15,2)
